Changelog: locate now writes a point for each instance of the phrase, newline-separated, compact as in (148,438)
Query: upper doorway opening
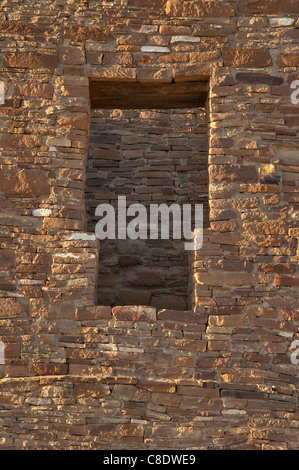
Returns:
(148,143)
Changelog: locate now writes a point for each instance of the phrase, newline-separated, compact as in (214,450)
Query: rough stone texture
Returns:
(246,58)
(77,374)
(151,157)
(30,60)
(24,183)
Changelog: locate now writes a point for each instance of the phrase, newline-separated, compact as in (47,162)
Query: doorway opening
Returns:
(148,143)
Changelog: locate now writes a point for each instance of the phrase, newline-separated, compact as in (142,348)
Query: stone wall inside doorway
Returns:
(157,156)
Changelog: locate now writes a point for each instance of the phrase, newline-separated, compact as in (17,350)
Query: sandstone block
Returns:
(288,60)
(286,281)
(149,75)
(34,90)
(209,279)
(30,60)
(146,277)
(133,430)
(135,313)
(93,313)
(157,386)
(82,33)
(49,369)
(267,228)
(20,141)
(192,72)
(240,279)
(269,7)
(166,399)
(71,55)
(177,316)
(249,77)
(77,121)
(86,390)
(169,30)
(190,345)
(24,183)
(192,9)
(7,259)
(241,173)
(134,296)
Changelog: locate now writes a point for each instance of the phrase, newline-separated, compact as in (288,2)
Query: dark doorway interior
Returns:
(148,143)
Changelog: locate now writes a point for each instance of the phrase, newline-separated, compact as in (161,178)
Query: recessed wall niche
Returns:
(148,143)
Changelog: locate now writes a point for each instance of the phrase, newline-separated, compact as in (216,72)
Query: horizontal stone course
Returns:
(24,183)
(183,410)
(30,60)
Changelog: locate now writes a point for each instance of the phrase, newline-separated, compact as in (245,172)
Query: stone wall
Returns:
(226,363)
(150,157)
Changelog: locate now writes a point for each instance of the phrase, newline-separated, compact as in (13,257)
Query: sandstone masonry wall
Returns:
(219,375)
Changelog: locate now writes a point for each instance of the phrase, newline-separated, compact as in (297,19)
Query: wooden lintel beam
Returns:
(135,95)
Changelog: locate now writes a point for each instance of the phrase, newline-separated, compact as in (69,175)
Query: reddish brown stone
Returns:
(93,313)
(286,281)
(134,313)
(224,226)
(62,223)
(190,345)
(78,121)
(12,350)
(21,28)
(24,183)
(244,58)
(48,369)
(169,301)
(7,259)
(86,390)
(219,375)
(192,72)
(288,60)
(71,55)
(242,173)
(30,60)
(10,308)
(147,3)
(269,7)
(35,90)
(20,141)
(157,386)
(196,9)
(150,75)
(177,316)
(283,268)
(134,296)
(204,56)
(146,277)
(267,228)
(82,33)
(131,430)
(169,30)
